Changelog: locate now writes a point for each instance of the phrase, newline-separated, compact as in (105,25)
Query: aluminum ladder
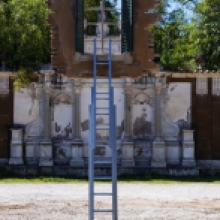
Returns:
(110,112)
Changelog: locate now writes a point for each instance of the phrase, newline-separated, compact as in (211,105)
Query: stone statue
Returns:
(102,17)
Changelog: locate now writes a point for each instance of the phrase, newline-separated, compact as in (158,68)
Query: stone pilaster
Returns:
(73,109)
(77,145)
(188,149)
(77,136)
(159,148)
(128,113)
(16,157)
(127,143)
(46,151)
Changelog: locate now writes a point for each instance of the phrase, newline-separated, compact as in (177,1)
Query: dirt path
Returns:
(136,201)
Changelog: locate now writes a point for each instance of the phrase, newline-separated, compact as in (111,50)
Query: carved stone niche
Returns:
(16,157)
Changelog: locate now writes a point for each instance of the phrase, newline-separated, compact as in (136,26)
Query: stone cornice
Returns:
(201,74)
(8,73)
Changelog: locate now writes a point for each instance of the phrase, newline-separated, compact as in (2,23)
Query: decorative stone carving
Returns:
(62,98)
(202,86)
(188,149)
(143,97)
(16,157)
(170,129)
(4,85)
(216,86)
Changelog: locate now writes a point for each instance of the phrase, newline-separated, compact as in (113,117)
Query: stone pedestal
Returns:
(159,154)
(188,149)
(173,153)
(32,150)
(127,154)
(46,154)
(76,154)
(16,157)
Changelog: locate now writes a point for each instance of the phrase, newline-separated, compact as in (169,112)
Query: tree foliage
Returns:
(180,37)
(24,34)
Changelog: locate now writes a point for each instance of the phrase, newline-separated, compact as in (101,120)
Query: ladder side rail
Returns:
(110,64)
(114,163)
(91,161)
(112,136)
(92,129)
(95,66)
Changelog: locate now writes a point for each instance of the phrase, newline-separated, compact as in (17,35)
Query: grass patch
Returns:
(149,179)
(41,180)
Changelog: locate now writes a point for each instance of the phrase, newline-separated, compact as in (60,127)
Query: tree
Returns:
(172,38)
(24,34)
(206,32)
(179,38)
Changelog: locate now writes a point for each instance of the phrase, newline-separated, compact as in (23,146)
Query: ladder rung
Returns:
(102,63)
(102,124)
(102,177)
(104,129)
(102,210)
(102,108)
(100,162)
(99,48)
(102,93)
(101,145)
(102,113)
(102,194)
(100,98)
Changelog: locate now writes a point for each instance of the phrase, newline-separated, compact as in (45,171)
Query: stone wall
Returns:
(151,115)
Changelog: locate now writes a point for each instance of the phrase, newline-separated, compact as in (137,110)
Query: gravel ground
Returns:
(136,201)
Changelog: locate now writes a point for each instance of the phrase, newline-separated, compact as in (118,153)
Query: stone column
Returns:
(77,136)
(77,145)
(159,150)
(16,157)
(127,143)
(188,149)
(32,143)
(46,151)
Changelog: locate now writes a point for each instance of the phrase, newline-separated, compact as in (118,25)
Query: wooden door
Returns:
(6,120)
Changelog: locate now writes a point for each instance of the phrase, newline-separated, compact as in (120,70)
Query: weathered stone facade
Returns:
(150,115)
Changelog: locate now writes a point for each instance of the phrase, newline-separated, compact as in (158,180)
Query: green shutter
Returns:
(79,26)
(127,26)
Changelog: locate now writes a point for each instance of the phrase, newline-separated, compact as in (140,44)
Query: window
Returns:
(104,20)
